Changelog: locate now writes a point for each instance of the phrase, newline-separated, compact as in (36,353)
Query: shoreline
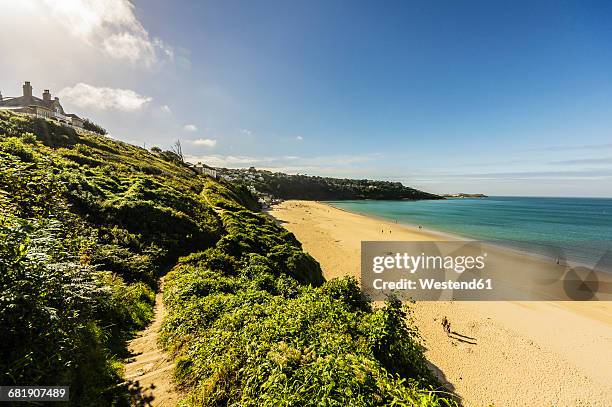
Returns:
(453,236)
(414,227)
(547,352)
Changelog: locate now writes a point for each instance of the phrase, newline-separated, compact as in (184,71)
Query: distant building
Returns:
(206,170)
(47,107)
(76,120)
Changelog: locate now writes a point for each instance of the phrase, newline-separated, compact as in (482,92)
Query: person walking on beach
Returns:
(446,326)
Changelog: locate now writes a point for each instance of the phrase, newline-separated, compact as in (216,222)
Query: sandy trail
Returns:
(149,369)
(504,353)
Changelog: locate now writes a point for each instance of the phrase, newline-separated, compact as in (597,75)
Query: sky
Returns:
(501,98)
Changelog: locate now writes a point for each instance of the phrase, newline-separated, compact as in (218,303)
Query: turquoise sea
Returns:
(571,229)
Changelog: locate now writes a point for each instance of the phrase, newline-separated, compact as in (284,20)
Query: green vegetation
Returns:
(286,186)
(88,224)
(252,322)
(96,128)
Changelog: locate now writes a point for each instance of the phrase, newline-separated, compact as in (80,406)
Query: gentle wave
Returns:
(574,230)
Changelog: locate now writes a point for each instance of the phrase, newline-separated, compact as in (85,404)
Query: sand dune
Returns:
(520,353)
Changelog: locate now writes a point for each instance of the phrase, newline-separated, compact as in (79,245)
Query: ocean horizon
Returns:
(568,230)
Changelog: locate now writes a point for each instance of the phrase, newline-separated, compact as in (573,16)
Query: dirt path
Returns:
(149,369)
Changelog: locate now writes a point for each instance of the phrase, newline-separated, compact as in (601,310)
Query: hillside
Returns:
(89,224)
(285,186)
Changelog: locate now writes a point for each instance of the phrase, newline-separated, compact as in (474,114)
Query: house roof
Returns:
(26,101)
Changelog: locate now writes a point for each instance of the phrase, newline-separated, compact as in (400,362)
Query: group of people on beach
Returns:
(383,230)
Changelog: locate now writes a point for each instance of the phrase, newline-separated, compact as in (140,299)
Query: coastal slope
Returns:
(502,353)
(89,225)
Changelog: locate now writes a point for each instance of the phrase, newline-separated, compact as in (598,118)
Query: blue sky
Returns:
(507,98)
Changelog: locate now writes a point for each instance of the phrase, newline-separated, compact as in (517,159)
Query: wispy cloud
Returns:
(92,97)
(581,161)
(525,175)
(299,138)
(190,127)
(576,147)
(206,142)
(331,164)
(165,109)
(237,161)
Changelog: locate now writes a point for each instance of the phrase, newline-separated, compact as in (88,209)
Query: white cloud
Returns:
(109,25)
(246,132)
(204,142)
(88,96)
(329,164)
(190,127)
(165,109)
(299,138)
(129,46)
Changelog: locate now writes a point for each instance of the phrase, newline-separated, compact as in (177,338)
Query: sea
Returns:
(570,230)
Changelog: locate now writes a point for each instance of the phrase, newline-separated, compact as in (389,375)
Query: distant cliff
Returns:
(286,186)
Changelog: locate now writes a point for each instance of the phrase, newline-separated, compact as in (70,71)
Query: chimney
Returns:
(46,95)
(27,89)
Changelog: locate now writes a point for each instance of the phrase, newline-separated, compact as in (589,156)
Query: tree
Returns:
(91,126)
(178,150)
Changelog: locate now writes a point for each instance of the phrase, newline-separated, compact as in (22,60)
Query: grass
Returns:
(87,226)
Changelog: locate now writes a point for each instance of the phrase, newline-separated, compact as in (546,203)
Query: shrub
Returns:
(28,138)
(123,307)
(240,344)
(17,147)
(91,126)
(131,267)
(47,304)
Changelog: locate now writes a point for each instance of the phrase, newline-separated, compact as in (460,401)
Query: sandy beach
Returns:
(505,353)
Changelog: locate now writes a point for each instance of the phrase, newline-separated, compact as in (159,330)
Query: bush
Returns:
(17,147)
(91,126)
(238,343)
(123,307)
(129,266)
(47,304)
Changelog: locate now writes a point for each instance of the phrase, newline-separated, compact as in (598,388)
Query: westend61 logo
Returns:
(469,270)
